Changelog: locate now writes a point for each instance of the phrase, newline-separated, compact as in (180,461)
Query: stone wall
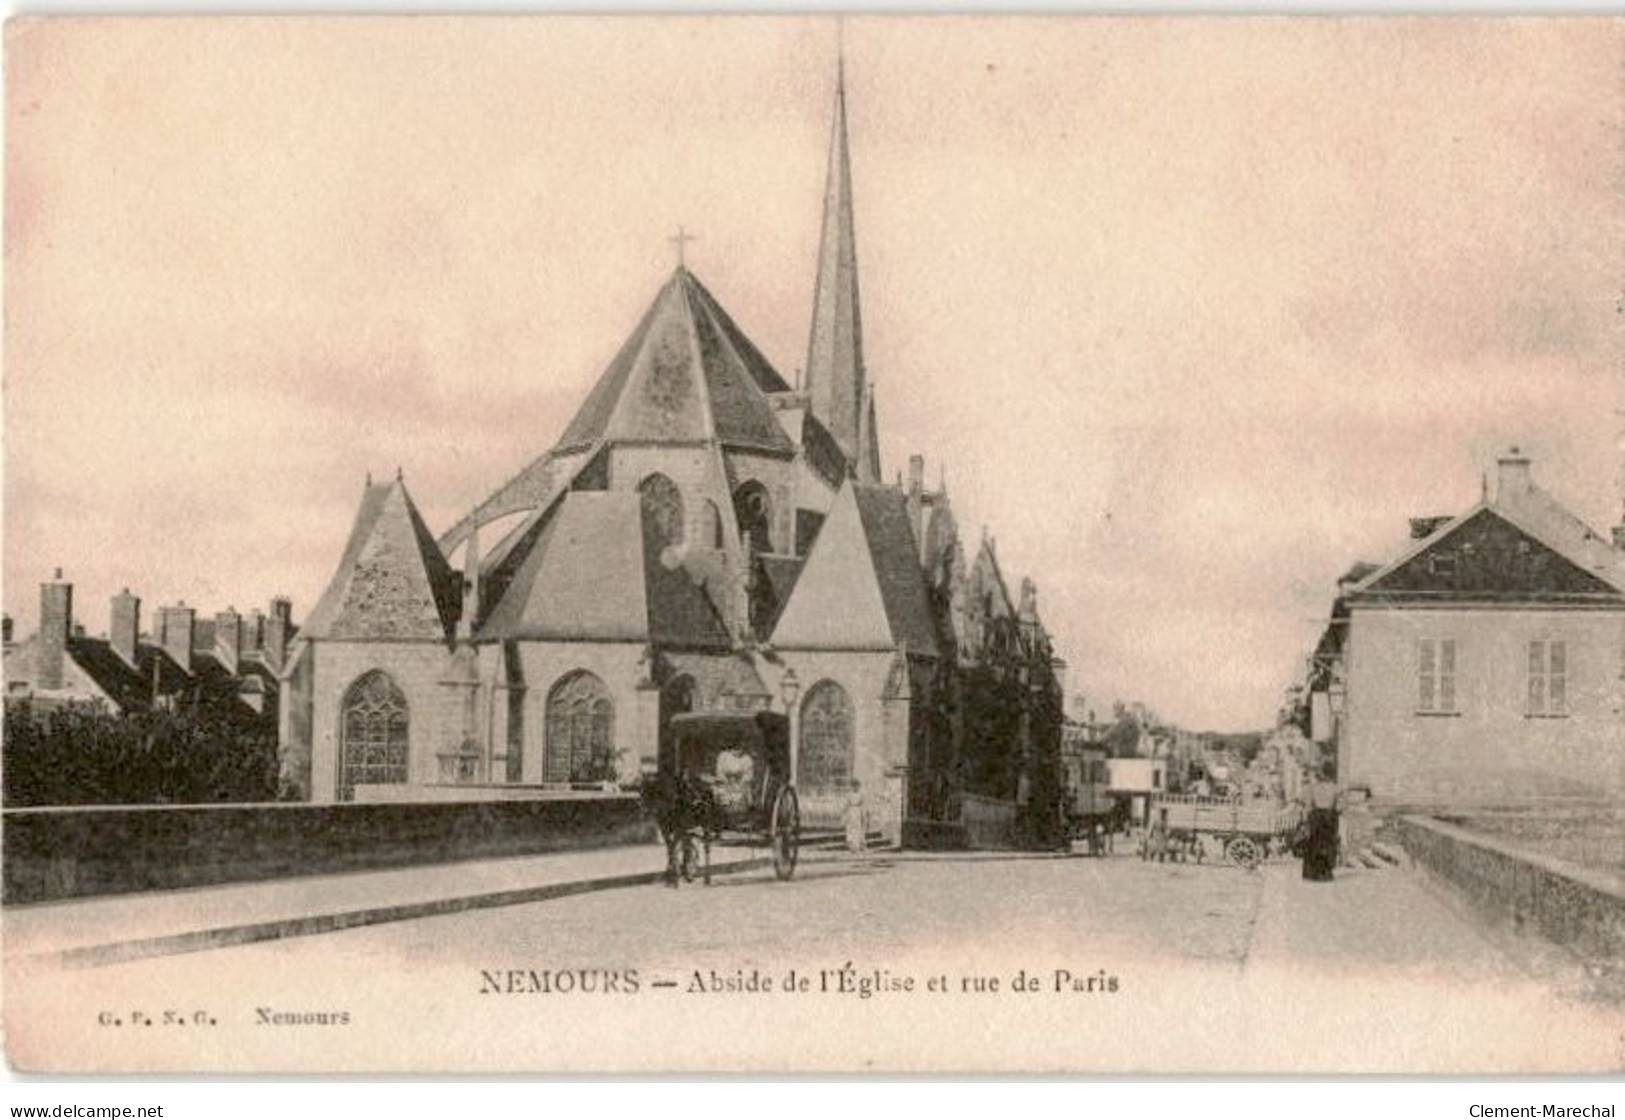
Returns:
(1578,908)
(989,822)
(1489,747)
(74,852)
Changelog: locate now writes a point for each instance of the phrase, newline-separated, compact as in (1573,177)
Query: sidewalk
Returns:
(109,929)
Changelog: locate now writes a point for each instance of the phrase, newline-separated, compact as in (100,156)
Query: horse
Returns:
(682,805)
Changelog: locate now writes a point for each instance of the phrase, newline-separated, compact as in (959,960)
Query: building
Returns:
(702,536)
(1486,660)
(228,664)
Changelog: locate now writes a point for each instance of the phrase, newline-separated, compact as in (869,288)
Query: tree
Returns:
(82,754)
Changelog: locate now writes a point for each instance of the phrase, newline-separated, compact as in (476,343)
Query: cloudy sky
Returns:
(1193,314)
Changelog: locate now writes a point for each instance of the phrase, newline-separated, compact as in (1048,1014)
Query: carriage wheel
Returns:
(1243,851)
(688,858)
(786,833)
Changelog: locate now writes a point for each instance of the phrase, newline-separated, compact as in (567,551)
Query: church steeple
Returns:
(835,379)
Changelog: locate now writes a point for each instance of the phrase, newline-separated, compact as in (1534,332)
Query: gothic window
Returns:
(754,512)
(824,758)
(580,731)
(373,729)
(662,510)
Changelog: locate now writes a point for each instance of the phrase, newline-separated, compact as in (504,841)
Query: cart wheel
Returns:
(786,834)
(688,858)
(1243,852)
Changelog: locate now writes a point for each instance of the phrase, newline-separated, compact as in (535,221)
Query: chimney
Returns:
(175,633)
(5,630)
(228,638)
(125,625)
(916,503)
(278,626)
(1424,527)
(253,632)
(55,624)
(1512,476)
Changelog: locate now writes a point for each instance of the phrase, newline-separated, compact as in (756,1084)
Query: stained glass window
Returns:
(580,731)
(374,734)
(824,763)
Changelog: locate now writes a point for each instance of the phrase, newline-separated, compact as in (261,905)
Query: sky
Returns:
(1191,314)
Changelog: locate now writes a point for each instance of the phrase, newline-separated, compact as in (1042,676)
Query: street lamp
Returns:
(790,688)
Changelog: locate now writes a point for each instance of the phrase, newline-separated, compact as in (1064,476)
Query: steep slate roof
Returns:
(686,374)
(129,687)
(861,587)
(587,574)
(823,453)
(1570,560)
(895,555)
(392,583)
(777,577)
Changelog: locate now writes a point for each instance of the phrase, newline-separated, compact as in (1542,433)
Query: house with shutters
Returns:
(1486,660)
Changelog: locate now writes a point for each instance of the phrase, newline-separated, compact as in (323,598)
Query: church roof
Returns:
(587,573)
(392,583)
(895,555)
(687,374)
(861,587)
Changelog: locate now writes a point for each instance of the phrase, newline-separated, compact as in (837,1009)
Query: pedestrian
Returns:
(855,824)
(1320,843)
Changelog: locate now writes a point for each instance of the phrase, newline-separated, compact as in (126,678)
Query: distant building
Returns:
(228,663)
(1487,660)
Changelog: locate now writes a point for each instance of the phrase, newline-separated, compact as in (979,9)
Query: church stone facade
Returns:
(702,536)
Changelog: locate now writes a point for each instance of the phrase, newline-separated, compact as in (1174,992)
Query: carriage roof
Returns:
(753,732)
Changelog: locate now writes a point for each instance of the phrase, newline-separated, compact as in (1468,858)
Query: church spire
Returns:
(835,374)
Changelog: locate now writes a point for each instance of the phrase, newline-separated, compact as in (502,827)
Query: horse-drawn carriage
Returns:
(1243,832)
(725,774)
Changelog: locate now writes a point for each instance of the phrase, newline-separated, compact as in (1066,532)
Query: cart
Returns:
(726,775)
(1245,832)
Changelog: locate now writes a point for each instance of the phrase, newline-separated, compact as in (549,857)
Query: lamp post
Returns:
(789,689)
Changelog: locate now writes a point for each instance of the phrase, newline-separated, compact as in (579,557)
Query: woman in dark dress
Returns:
(1320,845)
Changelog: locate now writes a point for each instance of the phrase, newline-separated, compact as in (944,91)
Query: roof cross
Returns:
(681,240)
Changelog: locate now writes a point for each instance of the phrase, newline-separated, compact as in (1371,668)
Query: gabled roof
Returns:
(1521,545)
(861,587)
(586,572)
(686,374)
(392,582)
(128,686)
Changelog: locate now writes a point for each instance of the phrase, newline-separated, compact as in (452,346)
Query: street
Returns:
(1007,959)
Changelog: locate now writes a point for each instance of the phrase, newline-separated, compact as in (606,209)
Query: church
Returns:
(702,536)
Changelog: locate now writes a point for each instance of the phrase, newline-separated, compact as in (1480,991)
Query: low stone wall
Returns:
(74,852)
(989,822)
(1578,908)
